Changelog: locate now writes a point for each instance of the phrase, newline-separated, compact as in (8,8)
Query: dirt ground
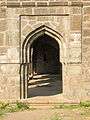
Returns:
(49,114)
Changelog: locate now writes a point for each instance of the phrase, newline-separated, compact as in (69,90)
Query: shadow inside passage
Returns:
(46,68)
(45,85)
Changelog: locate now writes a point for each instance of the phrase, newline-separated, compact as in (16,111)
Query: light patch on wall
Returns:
(13,54)
(75,48)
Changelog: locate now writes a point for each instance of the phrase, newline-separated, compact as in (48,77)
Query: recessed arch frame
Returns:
(26,53)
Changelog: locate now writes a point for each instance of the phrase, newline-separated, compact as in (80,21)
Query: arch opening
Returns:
(45,56)
(42,64)
(46,68)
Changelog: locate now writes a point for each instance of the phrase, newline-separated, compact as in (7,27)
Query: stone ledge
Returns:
(40,4)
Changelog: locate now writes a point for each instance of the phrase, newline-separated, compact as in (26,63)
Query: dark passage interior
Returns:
(46,68)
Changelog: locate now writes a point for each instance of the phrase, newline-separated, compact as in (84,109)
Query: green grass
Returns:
(1,113)
(84,105)
(22,106)
(18,106)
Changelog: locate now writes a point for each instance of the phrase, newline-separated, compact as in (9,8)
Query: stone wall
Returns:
(71,18)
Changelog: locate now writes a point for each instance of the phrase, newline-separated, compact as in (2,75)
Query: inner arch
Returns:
(46,59)
(46,67)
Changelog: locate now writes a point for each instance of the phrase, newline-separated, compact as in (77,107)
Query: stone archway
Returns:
(29,65)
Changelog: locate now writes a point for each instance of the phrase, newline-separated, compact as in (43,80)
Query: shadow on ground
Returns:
(44,85)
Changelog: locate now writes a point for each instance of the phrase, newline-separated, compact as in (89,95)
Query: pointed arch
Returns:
(32,36)
(26,53)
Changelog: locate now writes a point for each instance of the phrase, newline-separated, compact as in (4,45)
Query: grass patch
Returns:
(85,104)
(66,106)
(2,113)
(22,106)
(18,106)
(73,106)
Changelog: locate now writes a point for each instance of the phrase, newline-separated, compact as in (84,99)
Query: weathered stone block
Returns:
(26,30)
(27,11)
(11,70)
(9,55)
(77,3)
(3,50)
(2,12)
(13,4)
(43,18)
(28,4)
(14,58)
(3,25)
(75,37)
(11,14)
(75,10)
(41,4)
(75,70)
(75,55)
(62,3)
(19,11)
(86,10)
(86,25)
(86,18)
(13,88)
(76,22)
(50,10)
(86,32)
(1,39)
(41,10)
(86,41)
(12,39)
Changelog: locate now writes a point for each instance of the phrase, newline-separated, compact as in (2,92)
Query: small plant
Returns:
(66,106)
(73,106)
(22,106)
(3,105)
(85,104)
(18,106)
(1,113)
